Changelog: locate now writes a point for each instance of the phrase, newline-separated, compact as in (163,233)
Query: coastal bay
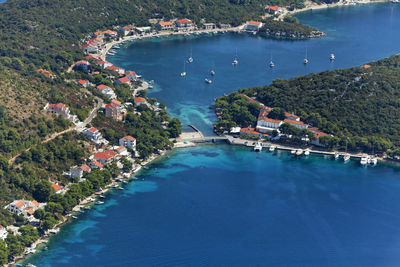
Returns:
(350,32)
(180,166)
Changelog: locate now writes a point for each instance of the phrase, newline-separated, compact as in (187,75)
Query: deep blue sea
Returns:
(228,206)
(356,35)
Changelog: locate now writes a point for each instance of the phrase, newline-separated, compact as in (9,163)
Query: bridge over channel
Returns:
(200,138)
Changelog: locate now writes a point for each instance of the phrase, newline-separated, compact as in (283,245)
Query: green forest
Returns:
(359,106)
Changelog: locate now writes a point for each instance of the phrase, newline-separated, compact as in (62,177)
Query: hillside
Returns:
(361,103)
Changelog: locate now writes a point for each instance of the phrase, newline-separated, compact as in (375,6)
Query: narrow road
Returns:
(78,127)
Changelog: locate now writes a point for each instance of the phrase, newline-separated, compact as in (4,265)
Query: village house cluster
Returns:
(265,125)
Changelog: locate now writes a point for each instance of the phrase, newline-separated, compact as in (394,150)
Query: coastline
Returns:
(104,51)
(314,6)
(103,54)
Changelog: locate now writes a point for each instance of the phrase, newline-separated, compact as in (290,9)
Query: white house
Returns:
(24,208)
(165,26)
(298,124)
(185,24)
(84,83)
(265,124)
(128,141)
(273,10)
(121,150)
(123,80)
(106,90)
(3,233)
(140,101)
(209,26)
(60,109)
(77,171)
(131,75)
(82,64)
(253,26)
(291,116)
(93,133)
(105,157)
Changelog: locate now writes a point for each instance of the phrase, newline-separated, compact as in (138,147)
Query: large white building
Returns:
(298,124)
(128,141)
(93,133)
(265,124)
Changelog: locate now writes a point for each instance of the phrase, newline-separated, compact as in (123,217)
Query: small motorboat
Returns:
(212,72)
(336,156)
(364,160)
(235,62)
(293,152)
(183,74)
(332,57)
(299,152)
(258,147)
(346,158)
(207,80)
(305,61)
(272,148)
(307,152)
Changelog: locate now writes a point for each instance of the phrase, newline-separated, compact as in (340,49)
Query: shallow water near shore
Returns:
(229,206)
(199,208)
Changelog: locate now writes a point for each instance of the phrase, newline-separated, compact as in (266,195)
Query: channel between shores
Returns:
(181,143)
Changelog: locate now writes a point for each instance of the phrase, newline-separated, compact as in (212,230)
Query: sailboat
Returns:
(212,72)
(208,80)
(190,59)
(305,61)
(271,63)
(235,61)
(183,74)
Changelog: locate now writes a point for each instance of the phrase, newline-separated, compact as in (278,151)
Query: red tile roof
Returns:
(82,62)
(98,164)
(34,202)
(140,100)
(45,73)
(101,87)
(366,66)
(319,134)
(124,80)
(85,168)
(56,187)
(184,21)
(116,102)
(82,82)
(130,72)
(270,120)
(254,22)
(31,212)
(128,138)
(274,8)
(113,68)
(290,115)
(58,105)
(19,204)
(166,23)
(120,148)
(93,130)
(106,155)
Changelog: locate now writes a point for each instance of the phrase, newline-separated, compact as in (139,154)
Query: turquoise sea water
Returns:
(228,206)
(199,208)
